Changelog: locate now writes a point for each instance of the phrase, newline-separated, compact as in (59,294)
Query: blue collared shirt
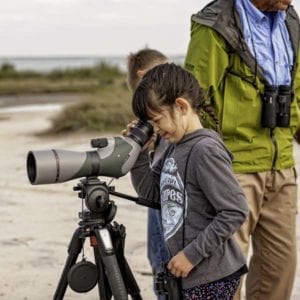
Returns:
(268,40)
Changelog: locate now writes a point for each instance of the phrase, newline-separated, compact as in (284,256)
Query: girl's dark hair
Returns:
(164,83)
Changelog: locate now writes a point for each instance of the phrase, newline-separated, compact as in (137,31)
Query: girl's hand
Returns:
(125,132)
(179,265)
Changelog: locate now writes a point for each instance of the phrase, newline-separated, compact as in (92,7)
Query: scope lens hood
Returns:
(31,167)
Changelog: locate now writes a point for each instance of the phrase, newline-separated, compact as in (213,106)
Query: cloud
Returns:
(57,2)
(95,26)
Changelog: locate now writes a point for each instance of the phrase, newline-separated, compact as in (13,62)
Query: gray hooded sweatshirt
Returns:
(202,204)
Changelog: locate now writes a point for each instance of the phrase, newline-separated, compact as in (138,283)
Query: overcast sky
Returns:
(95,27)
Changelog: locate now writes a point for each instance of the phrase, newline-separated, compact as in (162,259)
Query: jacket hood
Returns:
(206,133)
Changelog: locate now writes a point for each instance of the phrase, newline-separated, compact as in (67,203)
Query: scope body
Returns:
(114,157)
(53,166)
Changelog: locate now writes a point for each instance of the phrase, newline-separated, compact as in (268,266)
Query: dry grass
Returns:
(107,110)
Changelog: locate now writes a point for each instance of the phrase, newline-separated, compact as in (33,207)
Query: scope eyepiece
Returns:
(141,132)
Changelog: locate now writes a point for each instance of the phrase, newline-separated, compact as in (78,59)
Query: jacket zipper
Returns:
(274,142)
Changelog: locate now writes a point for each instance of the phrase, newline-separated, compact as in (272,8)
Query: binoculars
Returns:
(168,285)
(276,106)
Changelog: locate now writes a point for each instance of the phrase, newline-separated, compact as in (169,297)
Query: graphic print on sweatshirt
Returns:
(171,196)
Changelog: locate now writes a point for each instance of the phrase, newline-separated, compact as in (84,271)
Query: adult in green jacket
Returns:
(220,58)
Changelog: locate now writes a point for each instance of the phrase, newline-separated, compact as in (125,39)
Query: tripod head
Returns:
(100,208)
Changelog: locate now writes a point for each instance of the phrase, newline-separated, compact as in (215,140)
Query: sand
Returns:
(37,222)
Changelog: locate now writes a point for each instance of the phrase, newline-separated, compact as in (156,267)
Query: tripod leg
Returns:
(118,235)
(103,285)
(74,249)
(130,282)
(110,262)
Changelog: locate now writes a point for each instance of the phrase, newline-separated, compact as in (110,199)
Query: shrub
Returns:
(108,110)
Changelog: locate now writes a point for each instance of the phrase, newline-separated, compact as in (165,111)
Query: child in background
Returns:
(202,204)
(137,65)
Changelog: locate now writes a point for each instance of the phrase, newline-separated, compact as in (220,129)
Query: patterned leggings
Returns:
(220,290)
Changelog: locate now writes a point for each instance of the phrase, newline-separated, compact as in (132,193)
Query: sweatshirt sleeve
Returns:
(215,178)
(145,179)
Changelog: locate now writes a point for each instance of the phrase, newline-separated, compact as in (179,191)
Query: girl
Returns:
(137,65)
(202,204)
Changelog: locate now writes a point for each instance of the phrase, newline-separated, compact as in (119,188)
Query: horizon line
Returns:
(71,55)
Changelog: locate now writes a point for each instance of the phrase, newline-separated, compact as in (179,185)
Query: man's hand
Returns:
(179,265)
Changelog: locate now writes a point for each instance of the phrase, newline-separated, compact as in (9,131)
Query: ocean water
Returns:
(47,64)
(31,108)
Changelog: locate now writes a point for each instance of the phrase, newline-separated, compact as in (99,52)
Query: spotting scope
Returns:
(114,157)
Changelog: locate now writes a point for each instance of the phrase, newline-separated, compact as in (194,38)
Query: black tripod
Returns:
(111,272)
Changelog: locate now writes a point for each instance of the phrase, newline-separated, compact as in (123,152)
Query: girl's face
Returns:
(169,123)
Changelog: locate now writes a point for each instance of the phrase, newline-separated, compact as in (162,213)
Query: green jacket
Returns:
(220,59)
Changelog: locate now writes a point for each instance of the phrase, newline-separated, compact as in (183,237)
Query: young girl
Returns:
(138,64)
(202,205)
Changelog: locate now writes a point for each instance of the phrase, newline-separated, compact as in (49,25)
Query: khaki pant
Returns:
(272,201)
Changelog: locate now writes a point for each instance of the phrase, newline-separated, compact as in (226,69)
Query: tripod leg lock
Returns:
(106,241)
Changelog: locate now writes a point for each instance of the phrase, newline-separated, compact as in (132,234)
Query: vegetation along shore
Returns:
(98,98)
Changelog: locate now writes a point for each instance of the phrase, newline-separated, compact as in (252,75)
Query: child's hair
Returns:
(162,85)
(142,60)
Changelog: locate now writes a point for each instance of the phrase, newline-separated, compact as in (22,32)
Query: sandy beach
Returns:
(38,221)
